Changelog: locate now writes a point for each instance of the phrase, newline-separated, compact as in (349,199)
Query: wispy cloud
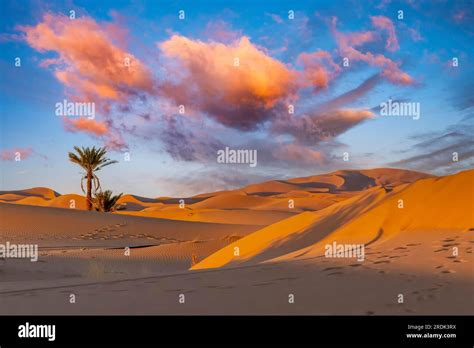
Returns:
(437,151)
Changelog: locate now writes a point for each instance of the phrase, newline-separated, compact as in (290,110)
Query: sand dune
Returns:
(11,197)
(309,193)
(222,216)
(293,233)
(231,201)
(68,201)
(429,204)
(356,180)
(49,226)
(43,192)
(280,249)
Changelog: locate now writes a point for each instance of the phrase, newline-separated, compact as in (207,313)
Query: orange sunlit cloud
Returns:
(85,125)
(89,62)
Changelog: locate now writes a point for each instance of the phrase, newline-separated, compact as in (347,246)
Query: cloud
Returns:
(435,151)
(296,153)
(319,68)
(221,31)
(240,97)
(16,154)
(93,65)
(89,63)
(384,23)
(415,34)
(226,97)
(347,46)
(311,129)
(275,17)
(210,180)
(185,144)
(85,125)
(352,95)
(463,99)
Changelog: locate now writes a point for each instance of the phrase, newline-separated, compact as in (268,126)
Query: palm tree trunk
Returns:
(89,190)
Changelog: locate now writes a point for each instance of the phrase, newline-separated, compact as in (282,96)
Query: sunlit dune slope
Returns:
(374,215)
(293,233)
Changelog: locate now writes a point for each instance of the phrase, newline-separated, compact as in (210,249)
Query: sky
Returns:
(172,83)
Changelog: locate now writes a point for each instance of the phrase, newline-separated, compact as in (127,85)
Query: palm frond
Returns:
(105,201)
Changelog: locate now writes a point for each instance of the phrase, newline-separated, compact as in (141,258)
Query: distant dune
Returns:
(42,192)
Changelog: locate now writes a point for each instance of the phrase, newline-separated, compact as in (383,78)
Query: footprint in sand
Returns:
(448,271)
(382,261)
(286,278)
(331,268)
(443,249)
(432,289)
(459,261)
(262,284)
(450,245)
(334,273)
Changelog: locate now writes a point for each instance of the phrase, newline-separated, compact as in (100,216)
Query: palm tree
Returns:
(105,201)
(91,160)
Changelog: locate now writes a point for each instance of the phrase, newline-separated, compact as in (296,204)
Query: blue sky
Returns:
(188,62)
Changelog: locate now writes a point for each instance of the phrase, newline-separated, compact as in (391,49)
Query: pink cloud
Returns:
(319,68)
(301,154)
(92,127)
(221,31)
(384,23)
(275,17)
(89,62)
(415,34)
(346,46)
